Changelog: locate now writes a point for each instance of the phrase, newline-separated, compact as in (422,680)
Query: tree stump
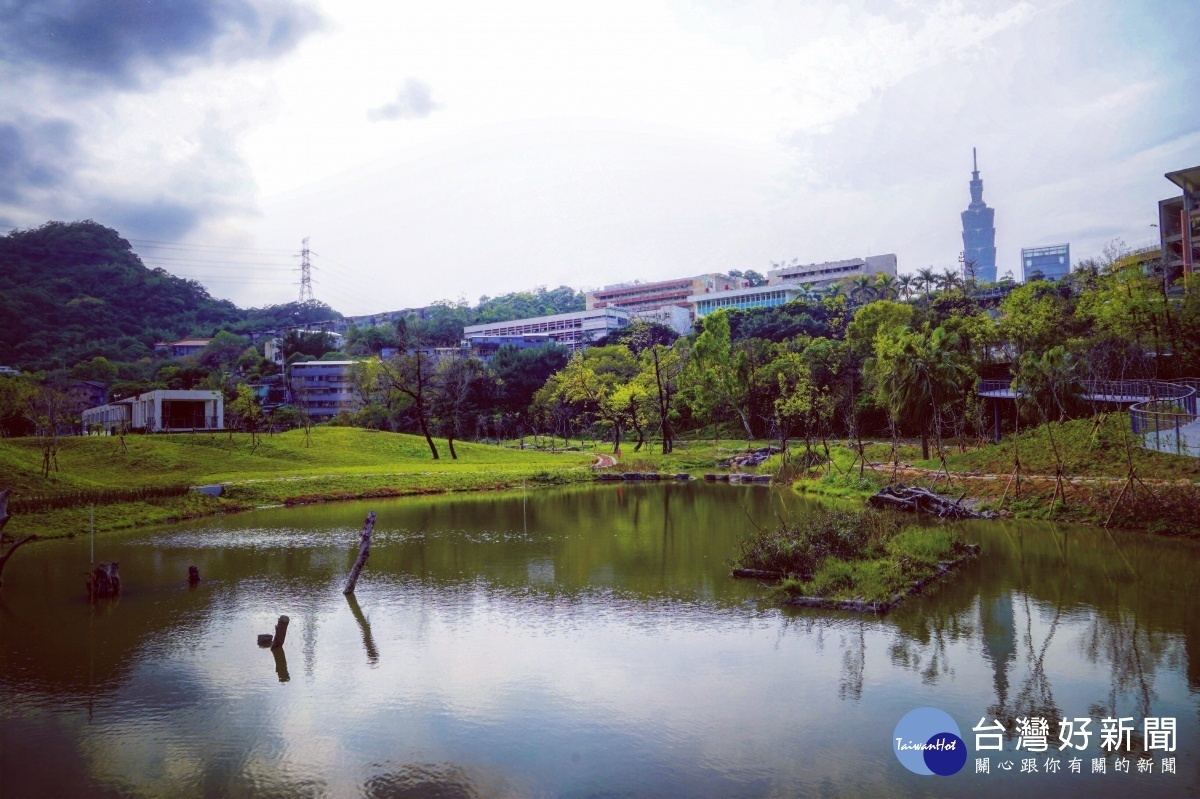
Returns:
(280,632)
(104,581)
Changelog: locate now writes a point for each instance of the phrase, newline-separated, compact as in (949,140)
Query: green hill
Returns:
(72,291)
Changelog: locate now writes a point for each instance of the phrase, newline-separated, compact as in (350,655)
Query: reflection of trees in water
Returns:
(854,661)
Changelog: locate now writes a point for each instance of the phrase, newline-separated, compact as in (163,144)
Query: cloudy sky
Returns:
(450,150)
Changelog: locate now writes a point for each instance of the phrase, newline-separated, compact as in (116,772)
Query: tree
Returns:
(311,343)
(915,374)
(665,364)
(927,278)
(716,373)
(98,369)
(863,290)
(411,376)
(598,379)
(457,386)
(50,410)
(870,320)
(246,408)
(886,286)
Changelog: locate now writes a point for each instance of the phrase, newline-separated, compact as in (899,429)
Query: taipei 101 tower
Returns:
(979,230)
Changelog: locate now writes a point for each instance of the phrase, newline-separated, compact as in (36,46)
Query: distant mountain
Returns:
(72,291)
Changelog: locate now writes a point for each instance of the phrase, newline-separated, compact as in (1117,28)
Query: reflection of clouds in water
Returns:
(444,781)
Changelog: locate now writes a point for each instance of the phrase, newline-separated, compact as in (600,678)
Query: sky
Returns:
(454,150)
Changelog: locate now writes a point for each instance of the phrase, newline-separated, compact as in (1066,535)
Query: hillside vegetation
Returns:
(73,291)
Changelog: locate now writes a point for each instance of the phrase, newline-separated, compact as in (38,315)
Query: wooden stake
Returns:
(364,552)
(280,632)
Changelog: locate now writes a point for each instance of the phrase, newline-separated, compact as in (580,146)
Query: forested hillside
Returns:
(73,291)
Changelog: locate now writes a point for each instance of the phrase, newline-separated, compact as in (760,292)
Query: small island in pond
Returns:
(864,560)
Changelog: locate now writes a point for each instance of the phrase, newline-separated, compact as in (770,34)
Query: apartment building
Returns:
(323,388)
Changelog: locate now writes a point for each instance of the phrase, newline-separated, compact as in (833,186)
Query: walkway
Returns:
(1162,413)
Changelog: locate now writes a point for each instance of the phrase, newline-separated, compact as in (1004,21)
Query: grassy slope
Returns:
(1087,450)
(341,463)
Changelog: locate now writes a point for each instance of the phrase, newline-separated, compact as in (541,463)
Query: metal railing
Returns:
(1162,413)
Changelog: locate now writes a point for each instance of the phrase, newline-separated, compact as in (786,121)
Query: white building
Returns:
(675,317)
(742,299)
(162,411)
(574,331)
(832,271)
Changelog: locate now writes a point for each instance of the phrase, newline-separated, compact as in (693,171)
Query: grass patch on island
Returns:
(839,556)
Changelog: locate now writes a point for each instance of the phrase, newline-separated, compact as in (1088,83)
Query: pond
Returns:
(577,642)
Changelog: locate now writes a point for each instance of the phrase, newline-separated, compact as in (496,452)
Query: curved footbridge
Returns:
(1162,413)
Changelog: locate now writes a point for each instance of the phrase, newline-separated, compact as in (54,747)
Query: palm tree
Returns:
(885,284)
(950,280)
(863,285)
(833,290)
(916,374)
(906,284)
(807,292)
(927,278)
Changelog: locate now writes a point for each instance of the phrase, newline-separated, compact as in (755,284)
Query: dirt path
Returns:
(604,461)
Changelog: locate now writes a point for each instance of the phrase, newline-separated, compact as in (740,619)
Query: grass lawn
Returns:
(342,463)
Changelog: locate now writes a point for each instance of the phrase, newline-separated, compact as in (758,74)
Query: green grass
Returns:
(342,463)
(863,555)
(1088,450)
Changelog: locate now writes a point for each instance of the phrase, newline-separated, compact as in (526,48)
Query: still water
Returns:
(585,643)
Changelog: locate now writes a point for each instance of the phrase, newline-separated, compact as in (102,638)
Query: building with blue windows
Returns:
(1045,263)
(979,231)
(741,299)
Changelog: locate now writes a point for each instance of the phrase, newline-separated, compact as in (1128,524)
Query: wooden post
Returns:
(364,552)
(280,632)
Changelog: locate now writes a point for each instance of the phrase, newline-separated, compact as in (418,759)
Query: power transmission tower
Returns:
(306,292)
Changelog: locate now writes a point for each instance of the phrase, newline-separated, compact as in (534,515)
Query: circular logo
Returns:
(927,741)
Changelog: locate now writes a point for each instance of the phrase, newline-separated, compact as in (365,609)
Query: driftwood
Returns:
(921,500)
(364,552)
(103,581)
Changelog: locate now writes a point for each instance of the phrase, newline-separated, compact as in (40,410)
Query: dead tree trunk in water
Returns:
(280,632)
(103,581)
(363,553)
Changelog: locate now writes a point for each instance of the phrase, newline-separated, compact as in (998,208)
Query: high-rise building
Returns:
(979,230)
(1046,263)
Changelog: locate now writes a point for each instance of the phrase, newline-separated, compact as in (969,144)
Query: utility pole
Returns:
(306,292)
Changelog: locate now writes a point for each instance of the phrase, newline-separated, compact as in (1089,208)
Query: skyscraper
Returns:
(979,230)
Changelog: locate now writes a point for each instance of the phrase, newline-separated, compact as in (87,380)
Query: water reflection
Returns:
(590,645)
